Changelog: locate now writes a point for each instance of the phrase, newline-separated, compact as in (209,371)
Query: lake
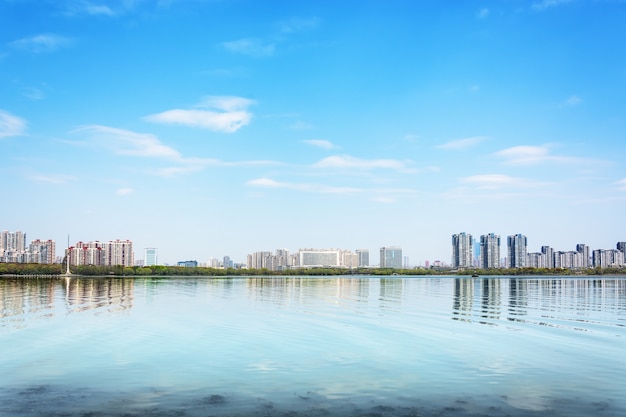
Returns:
(313,346)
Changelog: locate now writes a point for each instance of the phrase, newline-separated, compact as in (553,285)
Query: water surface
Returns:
(366,346)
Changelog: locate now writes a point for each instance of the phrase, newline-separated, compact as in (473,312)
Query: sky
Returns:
(207,128)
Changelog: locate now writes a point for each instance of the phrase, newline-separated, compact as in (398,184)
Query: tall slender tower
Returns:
(462,250)
(489,251)
(516,245)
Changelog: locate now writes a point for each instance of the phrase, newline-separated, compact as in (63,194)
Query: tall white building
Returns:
(150,257)
(489,255)
(516,251)
(462,250)
(391,257)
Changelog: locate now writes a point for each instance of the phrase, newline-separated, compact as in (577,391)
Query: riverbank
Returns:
(57,270)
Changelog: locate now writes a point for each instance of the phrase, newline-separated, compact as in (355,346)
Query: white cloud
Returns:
(11,125)
(53,179)
(462,143)
(320,143)
(621,184)
(532,155)
(82,7)
(545,4)
(126,142)
(297,24)
(251,47)
(483,13)
(346,161)
(299,125)
(216,113)
(572,101)
(34,93)
(42,43)
(124,191)
(304,187)
(498,181)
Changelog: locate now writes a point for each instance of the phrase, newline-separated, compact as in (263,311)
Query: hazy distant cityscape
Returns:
(467,253)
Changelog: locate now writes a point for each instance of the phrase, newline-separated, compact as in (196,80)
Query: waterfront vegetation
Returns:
(20,269)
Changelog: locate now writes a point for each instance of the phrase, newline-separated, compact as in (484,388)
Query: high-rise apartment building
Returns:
(549,256)
(609,258)
(462,250)
(585,258)
(12,241)
(391,257)
(150,256)
(364,257)
(42,252)
(516,251)
(489,251)
(113,253)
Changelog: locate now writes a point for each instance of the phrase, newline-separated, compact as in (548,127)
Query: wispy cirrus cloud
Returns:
(11,125)
(250,46)
(84,7)
(498,181)
(266,46)
(320,143)
(126,142)
(52,178)
(533,155)
(546,4)
(346,161)
(572,101)
(42,43)
(460,144)
(217,113)
(298,24)
(124,191)
(146,145)
(621,184)
(304,187)
(482,13)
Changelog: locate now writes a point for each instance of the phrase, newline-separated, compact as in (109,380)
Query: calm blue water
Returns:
(415,346)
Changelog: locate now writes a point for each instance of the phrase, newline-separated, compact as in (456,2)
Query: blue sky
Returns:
(212,128)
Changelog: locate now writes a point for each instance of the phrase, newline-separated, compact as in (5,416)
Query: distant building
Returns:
(42,252)
(319,258)
(608,258)
(112,253)
(151,257)
(364,257)
(489,257)
(516,251)
(548,252)
(585,259)
(391,257)
(462,250)
(188,264)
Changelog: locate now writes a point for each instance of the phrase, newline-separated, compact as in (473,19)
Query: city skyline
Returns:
(466,252)
(212,128)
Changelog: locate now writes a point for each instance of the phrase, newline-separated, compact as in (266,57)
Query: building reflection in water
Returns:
(23,296)
(301,290)
(532,300)
(113,295)
(390,296)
